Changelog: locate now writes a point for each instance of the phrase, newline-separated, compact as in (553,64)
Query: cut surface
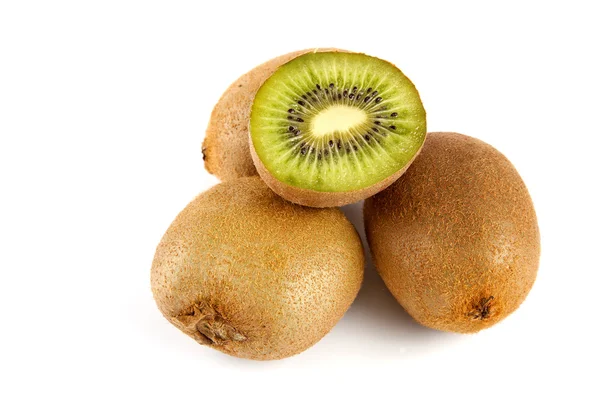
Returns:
(336,122)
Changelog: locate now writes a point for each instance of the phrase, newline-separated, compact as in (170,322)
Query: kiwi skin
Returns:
(225,148)
(249,274)
(313,198)
(456,238)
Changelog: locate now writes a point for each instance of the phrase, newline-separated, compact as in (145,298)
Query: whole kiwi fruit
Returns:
(456,238)
(331,128)
(225,148)
(247,273)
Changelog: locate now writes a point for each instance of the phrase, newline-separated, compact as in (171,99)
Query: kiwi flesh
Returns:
(456,238)
(331,128)
(247,273)
(225,149)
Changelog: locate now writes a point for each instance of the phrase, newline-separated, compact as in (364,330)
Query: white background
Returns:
(103,107)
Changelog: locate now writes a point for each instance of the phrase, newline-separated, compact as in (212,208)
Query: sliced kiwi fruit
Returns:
(247,273)
(456,238)
(332,128)
(225,149)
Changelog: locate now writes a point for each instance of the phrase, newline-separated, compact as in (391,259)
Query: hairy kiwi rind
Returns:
(249,274)
(225,148)
(456,239)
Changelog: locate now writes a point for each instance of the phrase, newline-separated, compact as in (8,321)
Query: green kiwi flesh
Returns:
(335,122)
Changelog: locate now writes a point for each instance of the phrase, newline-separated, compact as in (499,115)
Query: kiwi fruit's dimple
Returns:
(332,128)
(225,148)
(245,272)
(456,239)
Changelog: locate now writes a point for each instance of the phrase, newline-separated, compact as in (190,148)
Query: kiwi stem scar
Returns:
(482,310)
(207,327)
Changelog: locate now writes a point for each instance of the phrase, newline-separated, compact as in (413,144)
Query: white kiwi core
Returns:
(337,118)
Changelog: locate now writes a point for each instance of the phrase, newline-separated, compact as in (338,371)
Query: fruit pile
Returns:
(262,267)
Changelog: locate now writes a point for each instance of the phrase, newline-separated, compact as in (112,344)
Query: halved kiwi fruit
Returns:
(331,128)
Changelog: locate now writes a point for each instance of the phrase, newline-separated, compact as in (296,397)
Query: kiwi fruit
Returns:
(331,128)
(225,148)
(247,273)
(456,238)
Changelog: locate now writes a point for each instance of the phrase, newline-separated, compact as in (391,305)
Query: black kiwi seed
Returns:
(367,137)
(339,145)
(345,92)
(375,129)
(393,127)
(378,100)
(290,117)
(331,143)
(299,120)
(377,122)
(355,147)
(358,96)
(351,96)
(354,89)
(290,128)
(304,97)
(291,111)
(367,99)
(369,90)
(301,102)
(331,85)
(394,114)
(318,86)
(374,93)
(326,152)
(326,91)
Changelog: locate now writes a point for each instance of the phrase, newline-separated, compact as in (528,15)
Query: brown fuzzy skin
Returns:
(254,276)
(225,149)
(313,198)
(456,238)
